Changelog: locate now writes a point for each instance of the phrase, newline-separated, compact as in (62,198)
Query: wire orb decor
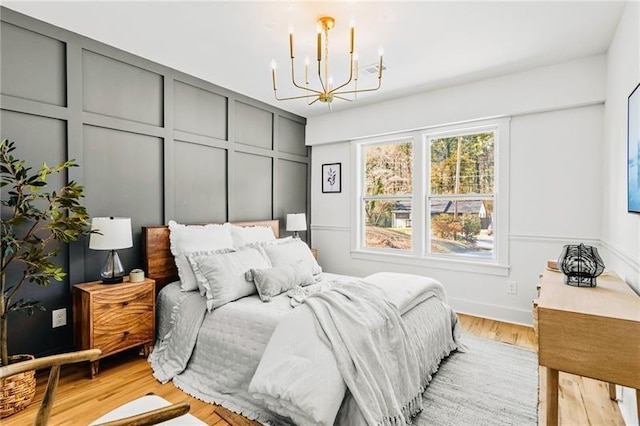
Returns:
(580,264)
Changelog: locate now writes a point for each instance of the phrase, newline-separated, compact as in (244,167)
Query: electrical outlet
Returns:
(512,287)
(59,317)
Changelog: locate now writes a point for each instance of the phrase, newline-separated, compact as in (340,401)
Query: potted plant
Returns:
(34,223)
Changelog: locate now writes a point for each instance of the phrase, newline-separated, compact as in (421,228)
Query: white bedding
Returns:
(232,339)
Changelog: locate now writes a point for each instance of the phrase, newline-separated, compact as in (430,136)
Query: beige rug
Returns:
(493,384)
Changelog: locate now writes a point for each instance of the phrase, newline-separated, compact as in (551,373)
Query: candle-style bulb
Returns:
(291,41)
(380,51)
(352,37)
(273,74)
(355,65)
(319,43)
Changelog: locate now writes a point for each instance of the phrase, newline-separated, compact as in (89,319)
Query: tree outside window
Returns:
(460,212)
(387,195)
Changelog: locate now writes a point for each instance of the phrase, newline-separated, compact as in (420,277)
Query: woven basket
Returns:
(17,391)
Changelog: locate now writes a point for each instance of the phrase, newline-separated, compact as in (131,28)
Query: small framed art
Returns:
(633,151)
(332,177)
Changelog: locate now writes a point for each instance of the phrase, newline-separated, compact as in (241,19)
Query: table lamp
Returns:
(296,222)
(114,234)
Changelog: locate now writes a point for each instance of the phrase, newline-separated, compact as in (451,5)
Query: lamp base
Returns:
(116,280)
(112,271)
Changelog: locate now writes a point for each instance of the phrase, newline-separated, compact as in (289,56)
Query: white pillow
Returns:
(192,238)
(243,235)
(274,281)
(223,275)
(290,253)
(201,253)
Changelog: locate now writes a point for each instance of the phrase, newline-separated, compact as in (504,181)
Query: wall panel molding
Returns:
(153,144)
(12,103)
(565,239)
(630,261)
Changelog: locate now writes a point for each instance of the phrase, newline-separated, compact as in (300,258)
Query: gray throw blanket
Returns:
(376,359)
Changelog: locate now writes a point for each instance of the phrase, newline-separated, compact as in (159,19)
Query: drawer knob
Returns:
(126,333)
(125,303)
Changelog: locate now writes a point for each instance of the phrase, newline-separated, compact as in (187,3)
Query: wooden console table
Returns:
(588,331)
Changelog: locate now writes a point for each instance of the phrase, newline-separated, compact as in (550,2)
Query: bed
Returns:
(221,356)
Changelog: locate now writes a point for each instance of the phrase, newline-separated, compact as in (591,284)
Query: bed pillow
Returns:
(223,275)
(192,238)
(203,253)
(292,252)
(243,235)
(273,281)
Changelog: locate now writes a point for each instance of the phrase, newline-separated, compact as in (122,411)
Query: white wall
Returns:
(572,83)
(556,139)
(621,230)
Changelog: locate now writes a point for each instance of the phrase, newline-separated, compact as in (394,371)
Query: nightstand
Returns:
(314,252)
(114,317)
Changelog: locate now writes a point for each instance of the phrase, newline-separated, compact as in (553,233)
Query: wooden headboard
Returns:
(158,260)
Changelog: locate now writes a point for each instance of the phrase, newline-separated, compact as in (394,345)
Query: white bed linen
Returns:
(231,343)
(229,347)
(298,376)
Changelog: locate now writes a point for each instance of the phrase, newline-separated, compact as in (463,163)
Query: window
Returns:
(460,202)
(387,192)
(437,196)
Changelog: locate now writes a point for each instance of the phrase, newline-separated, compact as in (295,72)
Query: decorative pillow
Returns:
(273,281)
(277,241)
(203,253)
(191,238)
(292,252)
(223,275)
(243,235)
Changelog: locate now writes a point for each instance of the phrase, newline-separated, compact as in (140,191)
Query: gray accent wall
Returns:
(153,144)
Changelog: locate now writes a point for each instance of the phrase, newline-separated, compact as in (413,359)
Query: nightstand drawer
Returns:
(129,330)
(142,295)
(138,299)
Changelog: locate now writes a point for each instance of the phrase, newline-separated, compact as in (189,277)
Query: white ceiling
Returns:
(427,45)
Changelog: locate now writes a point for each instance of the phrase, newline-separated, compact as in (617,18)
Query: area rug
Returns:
(492,384)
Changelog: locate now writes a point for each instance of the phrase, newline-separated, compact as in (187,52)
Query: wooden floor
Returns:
(125,377)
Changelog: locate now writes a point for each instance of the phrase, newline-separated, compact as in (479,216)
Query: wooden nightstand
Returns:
(314,252)
(114,317)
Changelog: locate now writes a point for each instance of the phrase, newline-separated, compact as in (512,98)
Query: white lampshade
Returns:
(115,233)
(296,222)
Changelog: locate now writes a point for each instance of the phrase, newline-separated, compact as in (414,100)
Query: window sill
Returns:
(431,262)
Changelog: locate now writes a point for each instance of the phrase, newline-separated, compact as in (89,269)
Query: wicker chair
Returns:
(55,361)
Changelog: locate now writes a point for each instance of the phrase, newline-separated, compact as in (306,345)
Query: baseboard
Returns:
(627,405)
(56,351)
(493,312)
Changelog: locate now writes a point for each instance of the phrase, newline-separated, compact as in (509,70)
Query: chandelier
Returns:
(326,91)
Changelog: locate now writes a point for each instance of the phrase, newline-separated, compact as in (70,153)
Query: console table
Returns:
(588,331)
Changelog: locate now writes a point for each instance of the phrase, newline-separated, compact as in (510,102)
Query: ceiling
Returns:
(427,45)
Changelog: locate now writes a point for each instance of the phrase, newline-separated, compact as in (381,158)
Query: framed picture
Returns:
(331,177)
(633,151)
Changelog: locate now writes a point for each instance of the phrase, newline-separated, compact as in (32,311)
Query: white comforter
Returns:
(298,376)
(215,357)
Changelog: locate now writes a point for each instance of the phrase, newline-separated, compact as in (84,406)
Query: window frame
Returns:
(421,156)
(364,197)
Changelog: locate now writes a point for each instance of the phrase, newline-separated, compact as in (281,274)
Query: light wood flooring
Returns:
(127,376)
